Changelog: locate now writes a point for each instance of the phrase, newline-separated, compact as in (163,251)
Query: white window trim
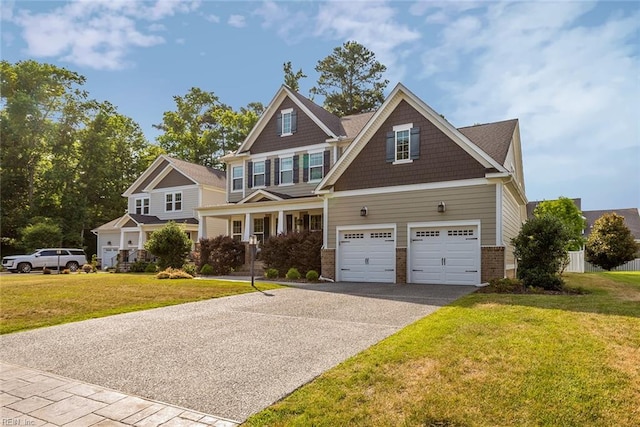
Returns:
(241,179)
(396,129)
(321,166)
(142,199)
(282,114)
(285,184)
(264,174)
(173,201)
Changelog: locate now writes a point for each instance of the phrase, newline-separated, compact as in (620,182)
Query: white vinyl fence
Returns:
(577,264)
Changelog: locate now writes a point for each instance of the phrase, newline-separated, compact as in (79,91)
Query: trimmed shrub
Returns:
(151,268)
(138,267)
(293,274)
(312,275)
(206,270)
(300,250)
(170,244)
(173,273)
(189,269)
(222,253)
(271,273)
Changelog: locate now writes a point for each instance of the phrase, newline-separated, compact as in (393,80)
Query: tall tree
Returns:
(566,211)
(202,129)
(610,243)
(292,79)
(350,80)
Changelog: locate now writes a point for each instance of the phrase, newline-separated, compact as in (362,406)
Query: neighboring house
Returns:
(399,194)
(631,219)
(169,190)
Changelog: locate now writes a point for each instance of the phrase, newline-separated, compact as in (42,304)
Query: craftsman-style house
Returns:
(169,190)
(399,194)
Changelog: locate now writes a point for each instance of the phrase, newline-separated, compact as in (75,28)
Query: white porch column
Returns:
(281,224)
(121,240)
(247,227)
(141,239)
(202,227)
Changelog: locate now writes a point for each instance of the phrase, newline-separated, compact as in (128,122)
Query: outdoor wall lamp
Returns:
(442,207)
(129,242)
(109,243)
(364,211)
(298,221)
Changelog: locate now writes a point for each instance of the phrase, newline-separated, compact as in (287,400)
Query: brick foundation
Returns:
(328,261)
(401,265)
(493,263)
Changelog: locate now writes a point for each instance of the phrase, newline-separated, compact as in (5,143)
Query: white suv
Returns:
(50,257)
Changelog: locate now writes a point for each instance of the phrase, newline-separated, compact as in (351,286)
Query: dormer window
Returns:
(142,206)
(287,122)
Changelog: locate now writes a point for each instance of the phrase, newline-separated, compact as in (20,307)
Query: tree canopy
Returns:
(610,243)
(65,158)
(566,211)
(202,129)
(350,80)
(291,79)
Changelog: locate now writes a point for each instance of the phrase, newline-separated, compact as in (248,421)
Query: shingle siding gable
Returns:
(307,132)
(441,159)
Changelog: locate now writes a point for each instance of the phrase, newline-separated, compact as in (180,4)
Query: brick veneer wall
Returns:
(493,263)
(401,265)
(328,261)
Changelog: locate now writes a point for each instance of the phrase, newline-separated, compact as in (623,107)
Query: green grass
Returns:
(491,360)
(33,301)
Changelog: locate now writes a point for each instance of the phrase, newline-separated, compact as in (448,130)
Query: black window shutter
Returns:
(305,168)
(305,222)
(276,171)
(250,175)
(296,169)
(391,147)
(325,163)
(279,124)
(415,143)
(294,121)
(267,173)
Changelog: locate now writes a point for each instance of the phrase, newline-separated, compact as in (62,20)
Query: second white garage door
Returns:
(367,256)
(445,255)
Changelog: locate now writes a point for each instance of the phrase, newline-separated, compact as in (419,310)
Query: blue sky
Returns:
(570,71)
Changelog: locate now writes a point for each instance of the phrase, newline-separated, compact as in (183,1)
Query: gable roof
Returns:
(631,219)
(398,94)
(492,138)
(163,164)
(329,123)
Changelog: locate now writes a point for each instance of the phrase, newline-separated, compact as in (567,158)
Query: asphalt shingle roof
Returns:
(200,174)
(493,138)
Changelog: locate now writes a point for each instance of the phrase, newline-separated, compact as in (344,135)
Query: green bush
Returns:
(312,275)
(293,274)
(271,273)
(206,270)
(506,285)
(610,243)
(151,268)
(222,253)
(541,250)
(300,250)
(189,269)
(170,244)
(138,267)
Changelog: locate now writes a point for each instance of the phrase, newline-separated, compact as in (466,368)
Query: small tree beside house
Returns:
(170,244)
(610,243)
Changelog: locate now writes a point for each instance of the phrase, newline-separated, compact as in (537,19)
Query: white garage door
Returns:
(109,257)
(367,256)
(445,255)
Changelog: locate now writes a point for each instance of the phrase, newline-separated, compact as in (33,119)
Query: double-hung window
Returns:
(258,229)
(173,201)
(142,206)
(258,174)
(287,122)
(315,222)
(403,144)
(237,176)
(236,231)
(316,166)
(286,170)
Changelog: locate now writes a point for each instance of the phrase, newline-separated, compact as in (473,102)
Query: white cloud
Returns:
(573,85)
(291,26)
(96,34)
(237,21)
(372,24)
(212,18)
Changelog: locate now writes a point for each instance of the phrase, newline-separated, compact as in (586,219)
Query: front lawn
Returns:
(491,360)
(36,300)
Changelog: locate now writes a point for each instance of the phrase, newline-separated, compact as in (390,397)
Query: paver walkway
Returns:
(29,397)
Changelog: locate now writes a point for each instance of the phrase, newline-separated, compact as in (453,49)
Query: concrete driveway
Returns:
(231,356)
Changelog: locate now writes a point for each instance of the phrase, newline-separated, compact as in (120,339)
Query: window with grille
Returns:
(431,233)
(142,206)
(173,201)
(384,235)
(354,236)
(460,232)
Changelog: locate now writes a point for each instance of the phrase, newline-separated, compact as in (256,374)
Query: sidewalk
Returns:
(29,397)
